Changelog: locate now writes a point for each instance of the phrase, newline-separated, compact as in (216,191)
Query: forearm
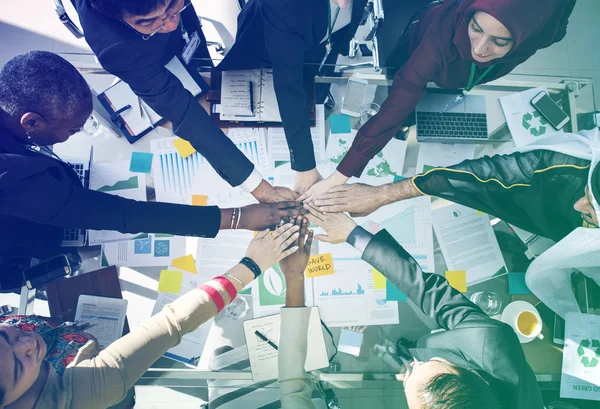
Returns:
(394,192)
(294,296)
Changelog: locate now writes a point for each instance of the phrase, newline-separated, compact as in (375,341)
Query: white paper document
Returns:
(348,297)
(525,123)
(581,357)
(264,358)
(249,95)
(115,178)
(433,155)
(146,250)
(468,242)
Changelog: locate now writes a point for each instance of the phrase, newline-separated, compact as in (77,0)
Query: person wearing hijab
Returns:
(455,44)
(50,365)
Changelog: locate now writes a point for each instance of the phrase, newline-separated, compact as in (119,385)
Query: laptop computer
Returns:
(78,237)
(466,122)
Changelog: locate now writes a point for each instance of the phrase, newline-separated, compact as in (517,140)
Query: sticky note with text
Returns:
(319,265)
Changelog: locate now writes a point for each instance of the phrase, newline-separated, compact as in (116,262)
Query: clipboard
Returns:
(214,97)
(121,102)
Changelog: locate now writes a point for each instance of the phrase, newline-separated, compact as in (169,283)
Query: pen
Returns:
(140,107)
(261,336)
(251,85)
(146,115)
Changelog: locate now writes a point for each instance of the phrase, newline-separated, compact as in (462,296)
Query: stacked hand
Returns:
(320,188)
(338,226)
(293,266)
(358,199)
(267,216)
(267,248)
(305,180)
(266,193)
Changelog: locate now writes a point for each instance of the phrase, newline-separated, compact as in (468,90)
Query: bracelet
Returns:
(232,219)
(251,264)
(227,274)
(214,295)
(239,218)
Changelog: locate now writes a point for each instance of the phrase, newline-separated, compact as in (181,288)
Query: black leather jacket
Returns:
(533,190)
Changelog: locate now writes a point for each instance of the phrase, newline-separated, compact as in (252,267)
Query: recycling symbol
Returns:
(535,118)
(589,352)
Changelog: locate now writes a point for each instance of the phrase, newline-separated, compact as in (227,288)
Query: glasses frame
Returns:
(145,37)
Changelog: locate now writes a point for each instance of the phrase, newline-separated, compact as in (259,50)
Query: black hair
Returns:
(120,8)
(463,390)
(44,83)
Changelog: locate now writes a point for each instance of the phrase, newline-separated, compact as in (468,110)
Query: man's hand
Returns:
(358,199)
(294,265)
(257,217)
(323,186)
(338,226)
(304,180)
(266,193)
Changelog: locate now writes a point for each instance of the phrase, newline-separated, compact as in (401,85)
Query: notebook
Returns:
(136,121)
(249,95)
(105,315)
(264,358)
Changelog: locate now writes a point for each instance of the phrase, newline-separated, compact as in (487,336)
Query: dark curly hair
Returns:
(119,8)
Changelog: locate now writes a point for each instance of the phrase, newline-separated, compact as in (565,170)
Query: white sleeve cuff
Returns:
(252,181)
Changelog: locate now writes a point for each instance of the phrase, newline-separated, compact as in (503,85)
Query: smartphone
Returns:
(550,110)
(47,271)
(355,97)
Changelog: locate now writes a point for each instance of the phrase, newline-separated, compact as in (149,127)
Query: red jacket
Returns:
(440,52)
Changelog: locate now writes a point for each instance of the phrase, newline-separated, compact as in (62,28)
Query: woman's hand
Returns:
(320,188)
(304,180)
(338,226)
(293,266)
(267,248)
(262,216)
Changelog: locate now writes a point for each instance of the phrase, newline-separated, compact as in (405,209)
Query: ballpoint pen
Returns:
(251,97)
(261,336)
(144,113)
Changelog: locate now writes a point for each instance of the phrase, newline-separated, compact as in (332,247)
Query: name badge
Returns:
(190,48)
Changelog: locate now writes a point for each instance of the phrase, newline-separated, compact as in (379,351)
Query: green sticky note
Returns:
(141,162)
(340,124)
(393,293)
(516,284)
(398,178)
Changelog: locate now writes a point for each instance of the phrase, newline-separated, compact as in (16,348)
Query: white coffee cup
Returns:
(524,319)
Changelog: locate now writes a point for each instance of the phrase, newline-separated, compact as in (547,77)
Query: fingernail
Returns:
(296,227)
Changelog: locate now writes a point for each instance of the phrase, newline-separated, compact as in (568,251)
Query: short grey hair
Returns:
(44,83)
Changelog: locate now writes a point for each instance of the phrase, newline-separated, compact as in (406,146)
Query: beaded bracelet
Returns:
(251,264)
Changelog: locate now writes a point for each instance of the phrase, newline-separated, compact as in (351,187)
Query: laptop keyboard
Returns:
(79,169)
(451,125)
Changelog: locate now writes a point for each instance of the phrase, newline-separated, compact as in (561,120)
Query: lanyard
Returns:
(471,84)
(330,25)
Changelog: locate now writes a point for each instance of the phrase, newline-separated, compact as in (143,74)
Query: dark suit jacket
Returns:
(286,35)
(141,64)
(472,340)
(40,196)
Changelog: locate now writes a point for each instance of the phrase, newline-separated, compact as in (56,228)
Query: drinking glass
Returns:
(237,309)
(489,302)
(367,111)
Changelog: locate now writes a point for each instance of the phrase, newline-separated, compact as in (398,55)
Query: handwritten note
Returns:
(170,281)
(199,200)
(184,148)
(319,265)
(141,162)
(235,92)
(185,263)
(458,280)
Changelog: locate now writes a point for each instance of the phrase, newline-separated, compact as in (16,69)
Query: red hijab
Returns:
(533,24)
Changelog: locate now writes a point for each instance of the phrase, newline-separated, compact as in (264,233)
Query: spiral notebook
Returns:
(249,95)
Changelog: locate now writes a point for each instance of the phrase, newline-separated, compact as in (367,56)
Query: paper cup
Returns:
(524,320)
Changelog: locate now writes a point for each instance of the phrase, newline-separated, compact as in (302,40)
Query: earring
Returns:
(28,136)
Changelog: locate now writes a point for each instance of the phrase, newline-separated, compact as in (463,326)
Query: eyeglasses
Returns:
(164,20)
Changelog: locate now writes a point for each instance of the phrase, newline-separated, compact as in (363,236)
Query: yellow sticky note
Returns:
(458,280)
(184,148)
(170,281)
(378,280)
(319,265)
(199,200)
(479,212)
(185,263)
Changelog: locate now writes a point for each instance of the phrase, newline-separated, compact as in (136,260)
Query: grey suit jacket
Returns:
(472,340)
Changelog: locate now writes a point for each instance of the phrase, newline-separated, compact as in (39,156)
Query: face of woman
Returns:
(490,39)
(21,355)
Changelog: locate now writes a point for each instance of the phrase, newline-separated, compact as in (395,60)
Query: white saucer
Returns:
(510,313)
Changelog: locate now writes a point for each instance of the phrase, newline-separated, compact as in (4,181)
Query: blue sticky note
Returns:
(141,162)
(340,123)
(516,284)
(393,293)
